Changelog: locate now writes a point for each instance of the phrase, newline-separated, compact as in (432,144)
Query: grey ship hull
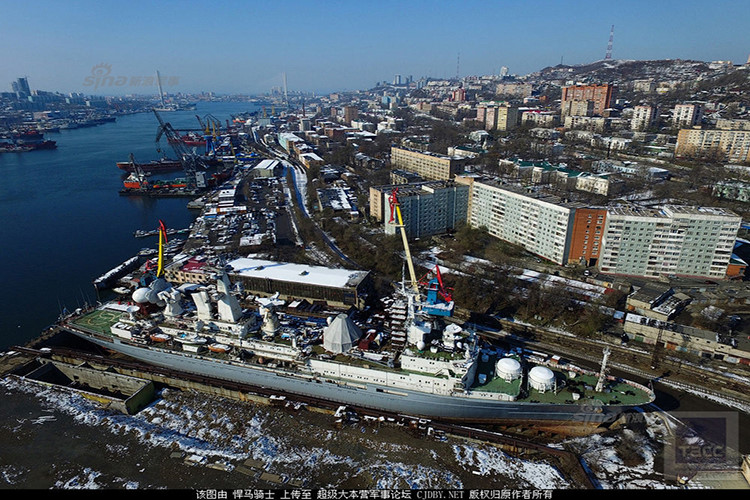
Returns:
(368,395)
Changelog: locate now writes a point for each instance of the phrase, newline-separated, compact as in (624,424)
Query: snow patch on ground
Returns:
(488,460)
(625,459)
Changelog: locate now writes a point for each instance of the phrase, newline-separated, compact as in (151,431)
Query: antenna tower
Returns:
(603,372)
(458,63)
(286,96)
(609,45)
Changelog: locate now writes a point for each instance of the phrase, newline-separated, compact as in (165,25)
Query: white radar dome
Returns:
(541,378)
(508,369)
(140,296)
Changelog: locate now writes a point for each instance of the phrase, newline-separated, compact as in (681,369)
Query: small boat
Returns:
(159,337)
(219,348)
(190,340)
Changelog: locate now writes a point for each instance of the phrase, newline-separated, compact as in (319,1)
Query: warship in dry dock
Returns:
(414,369)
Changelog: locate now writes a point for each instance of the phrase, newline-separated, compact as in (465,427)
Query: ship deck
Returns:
(616,393)
(100,321)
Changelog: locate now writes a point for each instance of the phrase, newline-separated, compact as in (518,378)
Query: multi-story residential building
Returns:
(404,177)
(601,95)
(567,178)
(686,115)
(514,89)
(732,124)
(427,208)
(430,166)
(458,95)
(539,223)
(545,119)
(673,240)
(643,117)
(646,86)
(586,235)
(593,123)
(497,116)
(351,113)
(577,108)
(728,145)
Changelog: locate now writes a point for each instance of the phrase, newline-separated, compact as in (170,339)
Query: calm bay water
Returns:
(63,222)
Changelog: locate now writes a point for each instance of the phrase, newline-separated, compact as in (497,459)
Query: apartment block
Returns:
(728,145)
(427,208)
(539,223)
(643,117)
(673,240)
(593,123)
(430,166)
(686,115)
(732,124)
(544,119)
(495,116)
(600,95)
(577,108)
(587,235)
(514,89)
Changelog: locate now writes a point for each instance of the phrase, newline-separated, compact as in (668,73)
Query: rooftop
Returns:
(297,273)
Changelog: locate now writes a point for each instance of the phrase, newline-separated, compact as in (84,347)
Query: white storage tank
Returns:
(541,378)
(508,369)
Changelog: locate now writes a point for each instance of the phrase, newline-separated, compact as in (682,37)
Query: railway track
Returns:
(673,372)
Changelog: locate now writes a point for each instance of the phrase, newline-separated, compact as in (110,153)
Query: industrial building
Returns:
(336,287)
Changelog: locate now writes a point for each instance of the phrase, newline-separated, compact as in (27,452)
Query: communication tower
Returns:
(609,45)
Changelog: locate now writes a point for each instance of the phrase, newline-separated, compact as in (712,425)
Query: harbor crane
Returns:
(435,287)
(139,174)
(188,159)
(396,214)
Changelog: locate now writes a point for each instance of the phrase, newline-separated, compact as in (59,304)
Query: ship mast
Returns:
(603,372)
(162,241)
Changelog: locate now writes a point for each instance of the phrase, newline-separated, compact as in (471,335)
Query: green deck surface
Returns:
(616,395)
(99,320)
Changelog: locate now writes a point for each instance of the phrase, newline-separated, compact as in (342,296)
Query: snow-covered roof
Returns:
(297,273)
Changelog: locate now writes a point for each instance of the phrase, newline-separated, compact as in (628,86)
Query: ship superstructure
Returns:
(413,366)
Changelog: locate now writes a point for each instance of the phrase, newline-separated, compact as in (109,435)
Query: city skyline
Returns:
(247,47)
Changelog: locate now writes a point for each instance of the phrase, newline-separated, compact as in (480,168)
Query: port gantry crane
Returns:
(436,290)
(396,212)
(188,159)
(139,174)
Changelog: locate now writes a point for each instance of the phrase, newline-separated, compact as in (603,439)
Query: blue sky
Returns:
(324,46)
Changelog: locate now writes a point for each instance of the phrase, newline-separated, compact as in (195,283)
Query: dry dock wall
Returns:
(120,392)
